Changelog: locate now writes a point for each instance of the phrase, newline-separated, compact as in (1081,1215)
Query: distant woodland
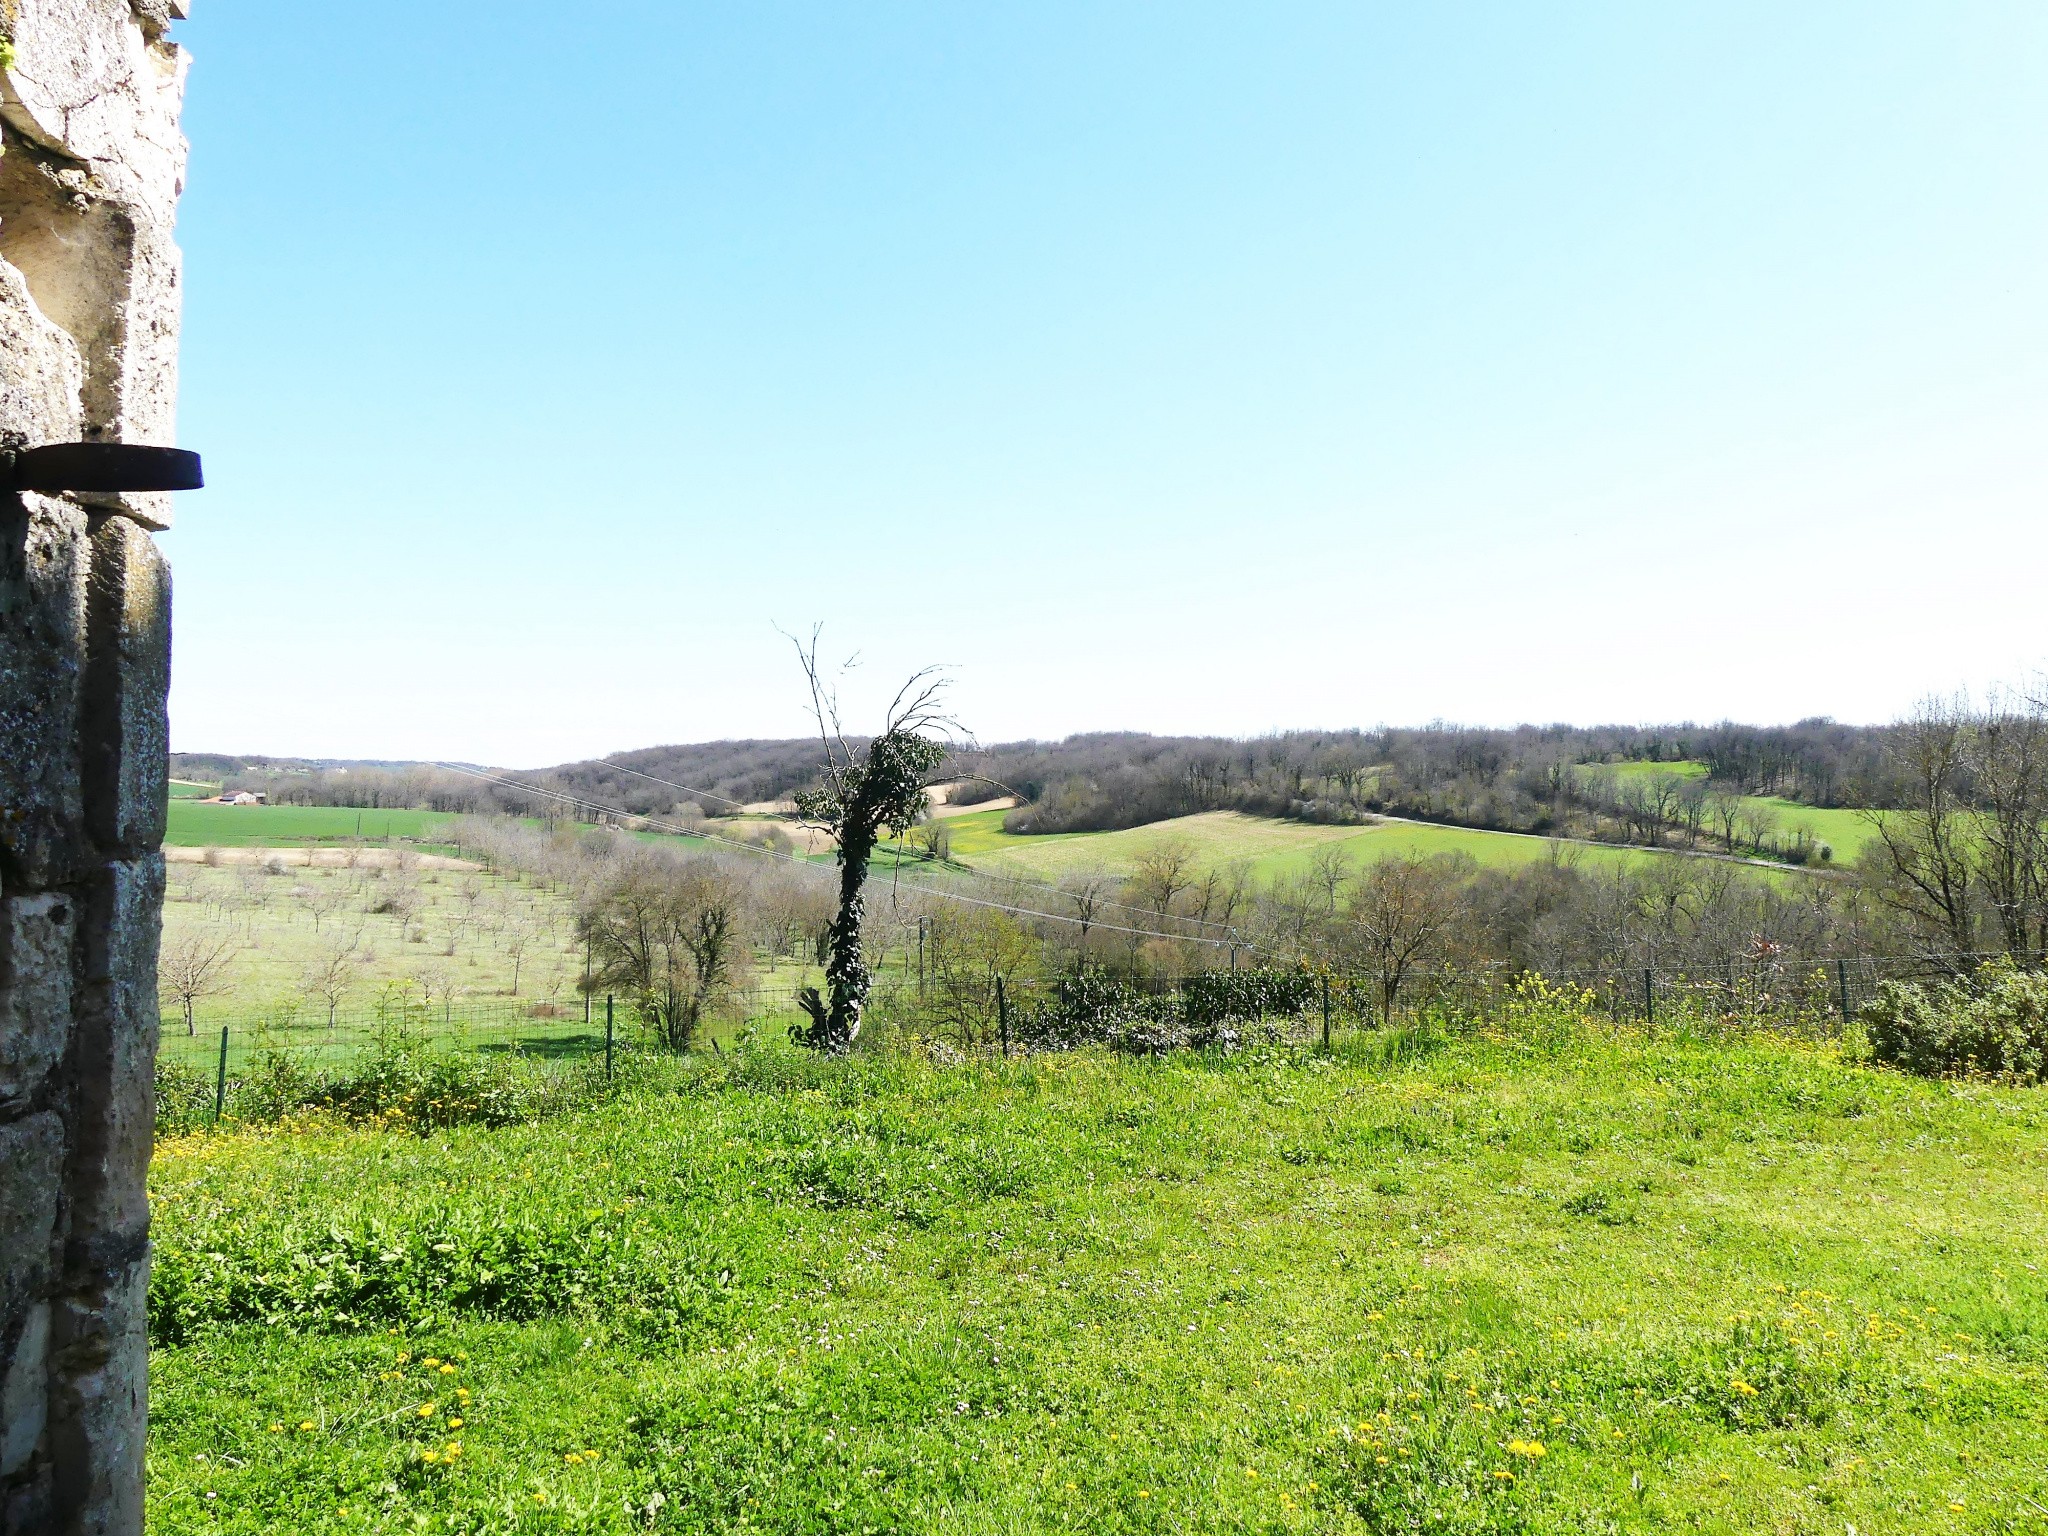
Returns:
(1553,780)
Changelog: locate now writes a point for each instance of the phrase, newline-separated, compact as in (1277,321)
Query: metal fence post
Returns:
(1649,995)
(1326,1013)
(220,1080)
(1842,986)
(1003,1015)
(607,1037)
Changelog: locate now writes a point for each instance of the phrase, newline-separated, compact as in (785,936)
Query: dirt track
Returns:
(318,858)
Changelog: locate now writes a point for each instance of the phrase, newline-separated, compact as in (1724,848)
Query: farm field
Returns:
(1843,830)
(491,962)
(446,935)
(1553,1280)
(200,824)
(1268,847)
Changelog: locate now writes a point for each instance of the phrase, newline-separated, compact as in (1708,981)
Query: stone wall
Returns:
(89,276)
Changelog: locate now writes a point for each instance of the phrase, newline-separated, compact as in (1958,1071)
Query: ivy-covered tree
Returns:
(864,792)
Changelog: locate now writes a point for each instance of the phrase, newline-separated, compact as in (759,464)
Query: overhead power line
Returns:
(583,803)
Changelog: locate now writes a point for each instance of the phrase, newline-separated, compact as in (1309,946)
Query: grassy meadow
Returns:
(491,962)
(1268,847)
(1548,1279)
(1843,830)
(201,824)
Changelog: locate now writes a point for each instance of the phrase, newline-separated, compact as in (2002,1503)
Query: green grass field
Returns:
(188,789)
(443,934)
(1677,770)
(1553,1281)
(1845,831)
(197,824)
(1268,847)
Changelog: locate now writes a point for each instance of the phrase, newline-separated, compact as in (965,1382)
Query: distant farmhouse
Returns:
(245,797)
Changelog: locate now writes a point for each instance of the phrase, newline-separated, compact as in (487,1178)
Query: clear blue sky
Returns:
(1179,367)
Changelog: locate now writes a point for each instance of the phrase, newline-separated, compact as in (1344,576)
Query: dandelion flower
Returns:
(426,1410)
(305,1424)
(447,1370)
(1529,1448)
(455,1423)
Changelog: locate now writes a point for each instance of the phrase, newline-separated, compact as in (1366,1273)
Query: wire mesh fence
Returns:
(1015,1014)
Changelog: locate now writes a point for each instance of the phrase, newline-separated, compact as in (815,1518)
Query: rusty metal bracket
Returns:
(99,467)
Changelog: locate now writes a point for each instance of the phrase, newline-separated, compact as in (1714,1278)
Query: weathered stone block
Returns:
(42,667)
(114,1024)
(99,1393)
(40,386)
(25,1392)
(31,1170)
(35,994)
(128,676)
(26,1508)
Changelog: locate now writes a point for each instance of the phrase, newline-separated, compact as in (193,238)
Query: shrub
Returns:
(405,1085)
(1095,1010)
(184,1098)
(1996,1024)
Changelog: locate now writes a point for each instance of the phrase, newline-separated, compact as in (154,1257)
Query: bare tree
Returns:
(1164,870)
(1399,917)
(931,839)
(513,944)
(2008,759)
(333,974)
(1756,823)
(1090,890)
(865,791)
(672,938)
(194,966)
(1920,856)
(1690,811)
(1329,870)
(1724,810)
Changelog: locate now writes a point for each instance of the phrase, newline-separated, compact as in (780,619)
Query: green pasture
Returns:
(1268,847)
(1677,770)
(1845,831)
(188,789)
(1552,1279)
(204,824)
